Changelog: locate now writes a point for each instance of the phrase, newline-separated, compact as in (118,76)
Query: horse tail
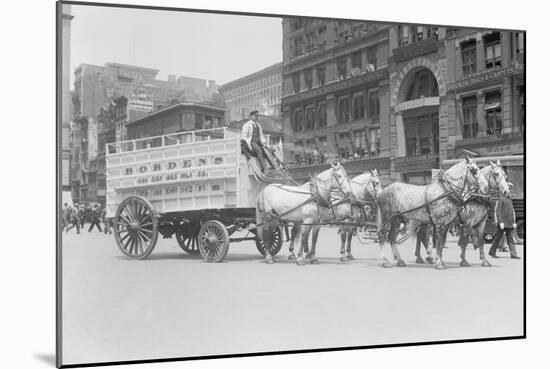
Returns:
(379,220)
(260,207)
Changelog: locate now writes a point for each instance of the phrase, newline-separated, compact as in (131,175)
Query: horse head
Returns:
(340,181)
(373,186)
(474,177)
(496,177)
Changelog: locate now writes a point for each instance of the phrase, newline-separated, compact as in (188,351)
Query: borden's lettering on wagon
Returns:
(172,165)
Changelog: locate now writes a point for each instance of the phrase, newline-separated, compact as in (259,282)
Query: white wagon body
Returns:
(194,170)
(195,185)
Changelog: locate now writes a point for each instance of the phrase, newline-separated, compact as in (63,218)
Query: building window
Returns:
(359,144)
(374,141)
(321,74)
(469,57)
(356,60)
(342,68)
(492,50)
(371,58)
(343,110)
(344,145)
(296,24)
(374,103)
(296,82)
(310,118)
(298,120)
(298,49)
(422,135)
(423,84)
(469,109)
(308,76)
(433,33)
(419,33)
(358,106)
(403,35)
(418,178)
(322,115)
(322,38)
(309,43)
(493,114)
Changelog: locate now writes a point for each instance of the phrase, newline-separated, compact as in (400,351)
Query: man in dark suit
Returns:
(95,219)
(505,219)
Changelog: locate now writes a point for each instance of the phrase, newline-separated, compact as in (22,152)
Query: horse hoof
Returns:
(343,258)
(486,263)
(464,263)
(440,267)
(269,261)
(401,263)
(419,260)
(429,260)
(314,261)
(291,257)
(387,264)
(300,262)
(350,257)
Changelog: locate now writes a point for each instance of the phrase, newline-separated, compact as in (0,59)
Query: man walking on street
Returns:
(81,215)
(505,219)
(94,219)
(72,220)
(253,135)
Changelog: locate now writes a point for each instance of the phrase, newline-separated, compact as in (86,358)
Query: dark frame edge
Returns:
(293,352)
(58,126)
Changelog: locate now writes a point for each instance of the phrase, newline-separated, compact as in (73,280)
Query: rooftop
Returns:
(272,69)
(175,107)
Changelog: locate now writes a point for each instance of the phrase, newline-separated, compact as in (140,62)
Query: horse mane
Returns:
(457,171)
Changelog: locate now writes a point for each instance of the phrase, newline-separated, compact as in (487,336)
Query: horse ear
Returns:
(498,162)
(493,165)
(468,160)
(371,172)
(375,171)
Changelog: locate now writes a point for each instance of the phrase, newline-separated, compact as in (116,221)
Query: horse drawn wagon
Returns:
(193,185)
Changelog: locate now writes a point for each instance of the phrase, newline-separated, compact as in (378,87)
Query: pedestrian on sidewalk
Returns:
(72,220)
(505,219)
(106,222)
(94,221)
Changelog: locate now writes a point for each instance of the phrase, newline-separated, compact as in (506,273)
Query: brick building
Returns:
(257,91)
(176,118)
(401,98)
(335,93)
(83,164)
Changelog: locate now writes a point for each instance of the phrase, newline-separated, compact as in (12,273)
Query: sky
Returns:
(208,46)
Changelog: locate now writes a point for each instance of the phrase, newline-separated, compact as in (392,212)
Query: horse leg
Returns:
(303,245)
(343,235)
(420,239)
(394,231)
(382,236)
(267,235)
(348,245)
(312,257)
(293,236)
(480,233)
(440,231)
(463,243)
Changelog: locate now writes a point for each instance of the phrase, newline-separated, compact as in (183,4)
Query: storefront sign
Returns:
(415,162)
(485,76)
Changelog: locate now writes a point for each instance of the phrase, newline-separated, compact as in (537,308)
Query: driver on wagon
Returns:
(253,135)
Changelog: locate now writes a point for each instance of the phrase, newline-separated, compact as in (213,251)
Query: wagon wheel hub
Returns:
(134,225)
(211,240)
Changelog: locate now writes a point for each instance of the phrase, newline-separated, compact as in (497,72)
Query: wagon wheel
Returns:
(187,236)
(275,246)
(213,241)
(135,227)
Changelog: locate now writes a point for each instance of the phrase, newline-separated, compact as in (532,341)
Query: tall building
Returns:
(196,89)
(260,91)
(84,155)
(335,93)
(66,115)
(400,97)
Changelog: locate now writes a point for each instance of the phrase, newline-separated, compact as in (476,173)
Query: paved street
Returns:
(174,305)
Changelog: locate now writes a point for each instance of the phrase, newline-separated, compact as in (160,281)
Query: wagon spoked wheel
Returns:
(275,246)
(213,241)
(187,236)
(135,227)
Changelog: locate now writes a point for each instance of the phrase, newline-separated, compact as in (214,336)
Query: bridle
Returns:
(461,194)
(315,186)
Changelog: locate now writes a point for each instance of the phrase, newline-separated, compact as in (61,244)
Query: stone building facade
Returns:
(257,91)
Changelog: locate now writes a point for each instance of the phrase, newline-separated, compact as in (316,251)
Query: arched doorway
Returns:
(416,116)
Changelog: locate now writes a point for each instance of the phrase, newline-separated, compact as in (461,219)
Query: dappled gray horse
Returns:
(473,216)
(437,203)
(364,189)
(279,203)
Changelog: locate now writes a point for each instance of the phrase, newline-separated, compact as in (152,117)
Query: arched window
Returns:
(423,84)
